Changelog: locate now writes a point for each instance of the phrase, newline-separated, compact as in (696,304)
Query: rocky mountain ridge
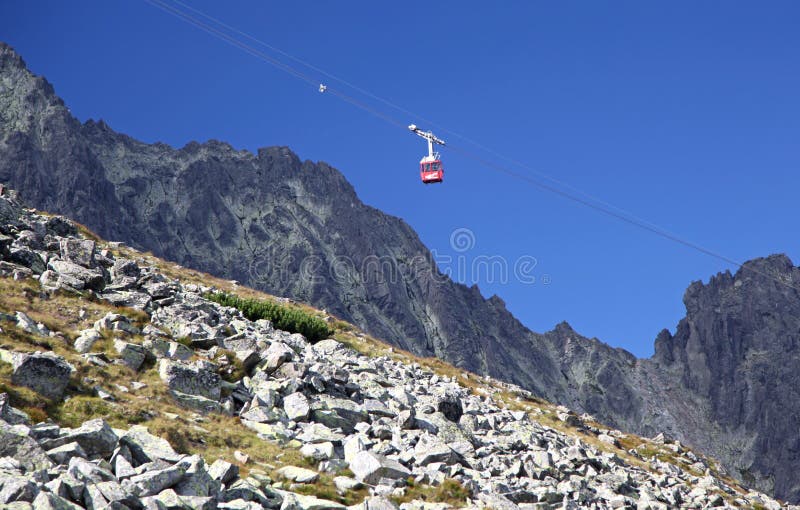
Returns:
(367,424)
(260,218)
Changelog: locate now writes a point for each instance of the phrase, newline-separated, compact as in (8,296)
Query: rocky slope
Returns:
(281,225)
(346,420)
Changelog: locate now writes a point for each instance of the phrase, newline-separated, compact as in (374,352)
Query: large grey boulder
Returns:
(16,488)
(130,354)
(92,279)
(197,481)
(96,438)
(338,413)
(145,447)
(296,406)
(298,474)
(27,258)
(62,454)
(170,500)
(46,374)
(276,355)
(124,268)
(86,340)
(78,251)
(369,467)
(150,482)
(25,323)
(116,322)
(50,501)
(223,471)
(248,490)
(198,378)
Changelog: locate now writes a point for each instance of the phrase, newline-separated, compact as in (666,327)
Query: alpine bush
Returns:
(285,317)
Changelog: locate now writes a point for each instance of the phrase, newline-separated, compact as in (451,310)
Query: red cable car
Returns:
(431,169)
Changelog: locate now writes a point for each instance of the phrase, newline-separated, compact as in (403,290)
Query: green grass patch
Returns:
(282,316)
(450,491)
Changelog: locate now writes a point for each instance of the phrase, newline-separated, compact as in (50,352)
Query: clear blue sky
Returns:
(684,113)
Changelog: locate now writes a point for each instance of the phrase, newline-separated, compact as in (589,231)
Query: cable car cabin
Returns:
(430,166)
(431,171)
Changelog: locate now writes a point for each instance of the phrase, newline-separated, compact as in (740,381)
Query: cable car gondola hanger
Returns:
(431,169)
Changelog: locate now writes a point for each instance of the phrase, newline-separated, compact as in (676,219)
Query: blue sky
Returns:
(684,113)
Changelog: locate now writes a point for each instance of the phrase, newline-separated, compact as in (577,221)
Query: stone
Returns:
(319,433)
(407,419)
(345,483)
(128,299)
(378,408)
(169,500)
(223,471)
(277,354)
(248,491)
(91,279)
(369,467)
(123,268)
(145,447)
(25,323)
(380,503)
(352,446)
(190,378)
(46,374)
(150,483)
(116,322)
(62,454)
(27,258)
(296,406)
(317,451)
(123,467)
(197,402)
(17,444)
(293,501)
(16,488)
(86,339)
(430,449)
(131,355)
(298,474)
(197,481)
(78,251)
(263,414)
(85,472)
(109,494)
(50,501)
(178,351)
(338,413)
(11,415)
(95,437)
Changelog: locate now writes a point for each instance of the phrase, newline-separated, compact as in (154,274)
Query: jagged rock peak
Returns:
(9,57)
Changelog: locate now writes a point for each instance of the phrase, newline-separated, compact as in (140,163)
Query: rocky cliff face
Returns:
(723,382)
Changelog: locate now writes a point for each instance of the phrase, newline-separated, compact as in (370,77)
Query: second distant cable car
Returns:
(431,169)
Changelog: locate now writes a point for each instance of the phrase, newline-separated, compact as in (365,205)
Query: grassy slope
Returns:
(217,436)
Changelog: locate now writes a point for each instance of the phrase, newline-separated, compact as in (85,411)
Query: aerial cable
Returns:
(270,60)
(587,200)
(398,107)
(186,17)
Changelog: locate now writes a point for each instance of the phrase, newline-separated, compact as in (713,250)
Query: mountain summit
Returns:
(723,383)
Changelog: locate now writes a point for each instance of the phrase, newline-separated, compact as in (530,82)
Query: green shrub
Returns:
(285,317)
